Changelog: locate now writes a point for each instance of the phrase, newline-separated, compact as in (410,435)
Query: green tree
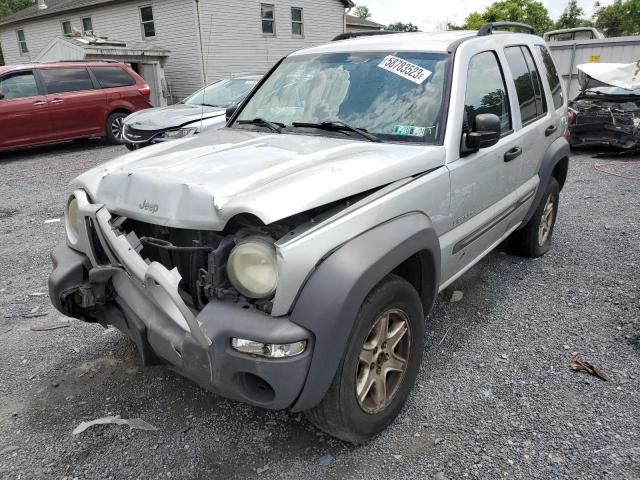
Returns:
(362,11)
(7,7)
(571,17)
(402,27)
(531,12)
(618,19)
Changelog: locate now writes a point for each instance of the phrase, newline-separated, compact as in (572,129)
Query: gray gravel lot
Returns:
(495,397)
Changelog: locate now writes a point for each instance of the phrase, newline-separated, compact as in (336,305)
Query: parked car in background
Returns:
(55,102)
(203,110)
(579,33)
(606,112)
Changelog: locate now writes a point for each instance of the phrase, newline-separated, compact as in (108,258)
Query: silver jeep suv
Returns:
(289,261)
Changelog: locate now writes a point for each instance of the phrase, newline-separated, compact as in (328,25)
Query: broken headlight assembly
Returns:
(252,268)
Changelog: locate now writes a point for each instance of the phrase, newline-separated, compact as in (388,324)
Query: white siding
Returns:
(174,23)
(233,39)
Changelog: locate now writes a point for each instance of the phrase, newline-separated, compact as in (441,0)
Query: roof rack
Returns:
(369,33)
(98,60)
(488,28)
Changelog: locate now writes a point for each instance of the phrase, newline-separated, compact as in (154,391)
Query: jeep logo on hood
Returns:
(150,207)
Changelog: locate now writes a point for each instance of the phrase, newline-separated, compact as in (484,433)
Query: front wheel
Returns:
(534,239)
(115,127)
(380,365)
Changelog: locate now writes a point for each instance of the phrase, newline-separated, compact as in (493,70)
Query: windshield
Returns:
(394,96)
(222,94)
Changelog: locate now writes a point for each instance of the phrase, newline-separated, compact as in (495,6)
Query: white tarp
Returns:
(623,75)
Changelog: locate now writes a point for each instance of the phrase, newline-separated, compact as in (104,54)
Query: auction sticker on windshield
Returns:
(408,70)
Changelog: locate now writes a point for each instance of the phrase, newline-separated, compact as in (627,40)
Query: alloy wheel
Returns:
(383,361)
(546,221)
(117,127)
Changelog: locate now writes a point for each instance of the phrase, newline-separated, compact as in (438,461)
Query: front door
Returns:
(24,112)
(481,180)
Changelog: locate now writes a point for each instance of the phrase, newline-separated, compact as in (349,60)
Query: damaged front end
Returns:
(605,113)
(174,292)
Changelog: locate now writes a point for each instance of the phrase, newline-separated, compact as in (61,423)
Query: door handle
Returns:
(39,104)
(512,154)
(550,129)
(57,101)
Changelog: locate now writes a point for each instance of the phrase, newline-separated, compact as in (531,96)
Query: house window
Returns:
(66,27)
(87,24)
(148,25)
(22,42)
(297,24)
(268,19)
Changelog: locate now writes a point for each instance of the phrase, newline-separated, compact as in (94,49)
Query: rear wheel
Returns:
(380,365)
(534,239)
(115,126)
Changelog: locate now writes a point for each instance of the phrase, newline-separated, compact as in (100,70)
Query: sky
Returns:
(427,14)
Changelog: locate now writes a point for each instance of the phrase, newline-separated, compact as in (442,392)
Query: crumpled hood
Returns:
(171,117)
(203,181)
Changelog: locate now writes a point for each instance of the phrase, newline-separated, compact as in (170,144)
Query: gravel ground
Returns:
(495,397)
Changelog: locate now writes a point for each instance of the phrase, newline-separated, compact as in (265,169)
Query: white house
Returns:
(207,39)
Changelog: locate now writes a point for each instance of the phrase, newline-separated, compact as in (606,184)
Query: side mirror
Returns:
(1,94)
(231,111)
(487,131)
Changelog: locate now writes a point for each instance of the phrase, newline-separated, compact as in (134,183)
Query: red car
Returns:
(55,102)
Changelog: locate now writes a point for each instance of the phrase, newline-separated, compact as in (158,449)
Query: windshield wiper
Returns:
(209,105)
(275,126)
(338,125)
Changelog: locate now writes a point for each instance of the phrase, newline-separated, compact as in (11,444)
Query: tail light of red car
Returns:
(145,91)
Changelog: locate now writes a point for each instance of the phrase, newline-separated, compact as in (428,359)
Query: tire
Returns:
(114,128)
(131,147)
(534,239)
(341,413)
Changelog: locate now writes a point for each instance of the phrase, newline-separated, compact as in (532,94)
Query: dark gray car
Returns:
(204,109)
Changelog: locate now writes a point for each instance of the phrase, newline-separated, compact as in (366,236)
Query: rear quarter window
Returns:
(111,77)
(527,83)
(61,80)
(549,69)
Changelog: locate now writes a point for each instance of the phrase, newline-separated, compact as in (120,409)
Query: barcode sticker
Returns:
(408,70)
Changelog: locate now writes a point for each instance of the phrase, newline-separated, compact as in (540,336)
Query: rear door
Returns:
(77,107)
(24,112)
(538,127)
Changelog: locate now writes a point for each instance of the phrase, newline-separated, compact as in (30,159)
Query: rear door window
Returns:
(527,83)
(486,91)
(62,80)
(111,77)
(19,85)
(549,68)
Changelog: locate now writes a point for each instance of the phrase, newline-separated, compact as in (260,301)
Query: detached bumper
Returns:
(142,301)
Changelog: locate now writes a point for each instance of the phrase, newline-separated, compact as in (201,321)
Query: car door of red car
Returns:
(77,107)
(24,112)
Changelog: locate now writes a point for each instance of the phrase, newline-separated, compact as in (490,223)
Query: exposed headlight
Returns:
(252,268)
(72,220)
(268,350)
(181,133)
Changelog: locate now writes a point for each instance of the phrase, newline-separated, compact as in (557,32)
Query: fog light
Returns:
(268,350)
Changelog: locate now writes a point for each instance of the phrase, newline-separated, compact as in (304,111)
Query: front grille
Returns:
(186,250)
(135,135)
(99,253)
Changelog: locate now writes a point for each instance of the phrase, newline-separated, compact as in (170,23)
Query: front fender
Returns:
(331,299)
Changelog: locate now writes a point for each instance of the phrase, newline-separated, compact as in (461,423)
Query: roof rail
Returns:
(366,33)
(488,28)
